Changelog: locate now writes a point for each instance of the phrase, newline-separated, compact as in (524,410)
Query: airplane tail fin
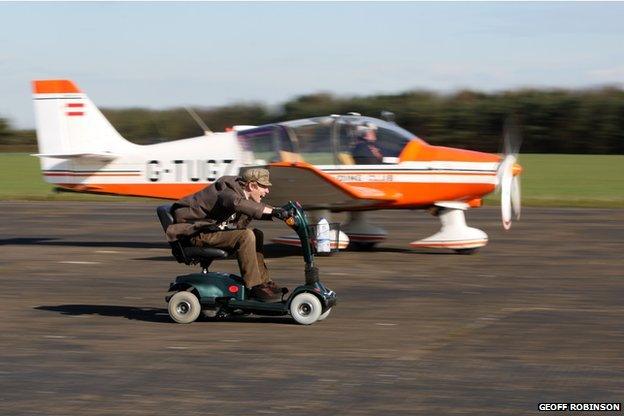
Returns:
(69,125)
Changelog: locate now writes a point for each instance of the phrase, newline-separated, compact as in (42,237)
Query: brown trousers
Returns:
(247,244)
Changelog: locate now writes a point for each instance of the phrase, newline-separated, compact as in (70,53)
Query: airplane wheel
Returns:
(360,246)
(305,308)
(466,250)
(184,307)
(325,314)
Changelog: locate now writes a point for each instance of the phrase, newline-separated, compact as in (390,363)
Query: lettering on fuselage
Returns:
(188,170)
(364,177)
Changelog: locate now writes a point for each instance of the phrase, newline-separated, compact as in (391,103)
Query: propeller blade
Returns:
(515,196)
(508,184)
(505,184)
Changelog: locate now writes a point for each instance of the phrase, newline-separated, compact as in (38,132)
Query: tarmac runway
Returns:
(536,316)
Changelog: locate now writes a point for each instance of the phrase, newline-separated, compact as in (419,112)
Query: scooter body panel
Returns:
(213,285)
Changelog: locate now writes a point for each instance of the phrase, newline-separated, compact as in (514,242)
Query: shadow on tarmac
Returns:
(129,312)
(49,241)
(158,315)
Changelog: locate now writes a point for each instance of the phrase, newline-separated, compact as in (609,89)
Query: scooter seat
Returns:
(183,251)
(200,254)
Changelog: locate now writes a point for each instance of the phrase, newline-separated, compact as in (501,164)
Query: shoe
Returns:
(275,288)
(263,293)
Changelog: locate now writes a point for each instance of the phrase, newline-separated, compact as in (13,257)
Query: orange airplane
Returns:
(329,164)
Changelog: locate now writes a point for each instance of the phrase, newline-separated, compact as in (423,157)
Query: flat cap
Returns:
(259,175)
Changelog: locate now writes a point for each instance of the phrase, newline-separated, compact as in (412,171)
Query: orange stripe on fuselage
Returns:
(153,190)
(54,86)
(90,174)
(412,194)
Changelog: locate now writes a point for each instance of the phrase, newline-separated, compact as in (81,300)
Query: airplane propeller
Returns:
(508,183)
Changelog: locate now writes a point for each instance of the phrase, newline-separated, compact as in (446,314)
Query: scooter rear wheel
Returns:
(184,307)
(305,308)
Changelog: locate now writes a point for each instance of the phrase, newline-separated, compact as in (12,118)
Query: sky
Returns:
(161,54)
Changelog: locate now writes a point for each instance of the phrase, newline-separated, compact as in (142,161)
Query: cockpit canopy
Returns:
(330,140)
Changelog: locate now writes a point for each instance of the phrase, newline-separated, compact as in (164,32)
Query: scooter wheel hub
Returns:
(305,309)
(183,308)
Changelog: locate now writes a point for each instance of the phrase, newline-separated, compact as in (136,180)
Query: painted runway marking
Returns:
(107,252)
(79,262)
(177,348)
(385,324)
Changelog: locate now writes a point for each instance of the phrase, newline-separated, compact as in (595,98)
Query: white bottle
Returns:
(323,243)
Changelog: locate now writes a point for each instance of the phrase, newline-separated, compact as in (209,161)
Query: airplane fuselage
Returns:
(328,163)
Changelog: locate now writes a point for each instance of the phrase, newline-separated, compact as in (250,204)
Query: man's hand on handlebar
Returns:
(280,213)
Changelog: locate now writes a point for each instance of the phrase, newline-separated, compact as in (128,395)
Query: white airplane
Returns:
(317,161)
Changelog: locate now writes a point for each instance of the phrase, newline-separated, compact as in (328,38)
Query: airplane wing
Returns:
(94,156)
(314,189)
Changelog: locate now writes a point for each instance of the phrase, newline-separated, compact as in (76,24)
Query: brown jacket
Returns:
(221,203)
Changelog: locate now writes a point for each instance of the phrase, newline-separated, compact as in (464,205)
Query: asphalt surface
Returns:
(536,316)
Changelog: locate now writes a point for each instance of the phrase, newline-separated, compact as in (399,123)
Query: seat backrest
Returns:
(164,215)
(290,156)
(166,219)
(345,158)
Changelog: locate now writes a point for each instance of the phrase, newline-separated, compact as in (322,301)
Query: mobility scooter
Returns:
(222,294)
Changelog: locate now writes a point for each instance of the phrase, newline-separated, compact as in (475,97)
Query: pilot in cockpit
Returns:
(365,151)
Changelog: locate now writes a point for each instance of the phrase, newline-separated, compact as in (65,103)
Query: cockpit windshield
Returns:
(331,140)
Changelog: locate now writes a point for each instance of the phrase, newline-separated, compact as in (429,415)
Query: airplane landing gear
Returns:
(454,233)
(363,235)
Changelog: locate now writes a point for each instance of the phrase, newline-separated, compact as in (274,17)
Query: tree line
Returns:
(589,121)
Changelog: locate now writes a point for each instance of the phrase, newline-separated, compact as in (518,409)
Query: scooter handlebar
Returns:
(298,222)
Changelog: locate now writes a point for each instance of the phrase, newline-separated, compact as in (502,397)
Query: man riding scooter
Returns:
(218,216)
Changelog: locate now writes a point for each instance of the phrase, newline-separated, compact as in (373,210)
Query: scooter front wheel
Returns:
(184,307)
(305,308)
